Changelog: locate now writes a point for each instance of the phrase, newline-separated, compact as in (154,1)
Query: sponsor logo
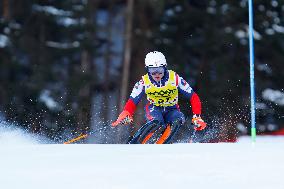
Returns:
(163,93)
(188,89)
(183,82)
(136,86)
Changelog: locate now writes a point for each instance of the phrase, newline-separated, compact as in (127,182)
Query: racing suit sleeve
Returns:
(135,97)
(185,89)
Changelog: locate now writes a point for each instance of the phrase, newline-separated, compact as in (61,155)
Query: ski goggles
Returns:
(156,70)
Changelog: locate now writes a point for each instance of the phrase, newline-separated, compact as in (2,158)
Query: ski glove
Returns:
(198,123)
(123,119)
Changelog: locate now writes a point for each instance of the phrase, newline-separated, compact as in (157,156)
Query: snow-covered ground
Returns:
(26,164)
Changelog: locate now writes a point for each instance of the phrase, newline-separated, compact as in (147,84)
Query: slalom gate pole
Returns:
(252,82)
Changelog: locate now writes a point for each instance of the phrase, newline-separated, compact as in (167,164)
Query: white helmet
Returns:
(155,59)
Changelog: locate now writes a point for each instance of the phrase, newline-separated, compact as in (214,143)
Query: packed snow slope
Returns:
(26,164)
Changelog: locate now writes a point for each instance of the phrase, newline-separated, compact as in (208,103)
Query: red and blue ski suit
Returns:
(164,113)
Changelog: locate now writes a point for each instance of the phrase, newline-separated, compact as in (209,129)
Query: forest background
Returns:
(67,67)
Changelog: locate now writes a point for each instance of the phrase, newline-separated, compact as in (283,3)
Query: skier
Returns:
(161,87)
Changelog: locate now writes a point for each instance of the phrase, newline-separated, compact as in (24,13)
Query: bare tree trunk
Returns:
(6,16)
(141,46)
(107,58)
(87,68)
(127,54)
(6,9)
(39,60)
(84,113)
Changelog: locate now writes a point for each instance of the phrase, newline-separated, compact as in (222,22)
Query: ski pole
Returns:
(76,139)
(192,136)
(82,136)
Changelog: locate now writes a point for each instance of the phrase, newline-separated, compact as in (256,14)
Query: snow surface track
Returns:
(210,166)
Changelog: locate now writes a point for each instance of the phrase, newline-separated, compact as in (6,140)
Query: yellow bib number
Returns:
(162,96)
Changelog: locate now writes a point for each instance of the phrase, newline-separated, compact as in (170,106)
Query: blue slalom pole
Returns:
(252,87)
